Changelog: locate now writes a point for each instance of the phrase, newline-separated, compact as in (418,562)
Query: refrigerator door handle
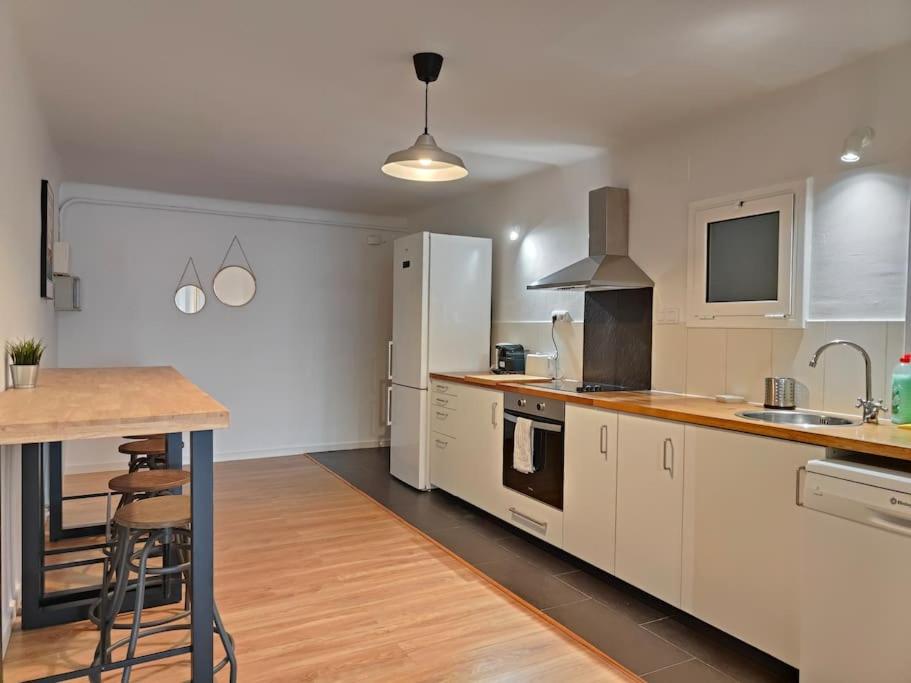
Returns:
(389,361)
(389,406)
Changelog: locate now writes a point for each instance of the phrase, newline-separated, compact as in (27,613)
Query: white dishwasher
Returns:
(856,572)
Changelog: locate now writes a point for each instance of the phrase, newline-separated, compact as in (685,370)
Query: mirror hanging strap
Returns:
(180,282)
(228,253)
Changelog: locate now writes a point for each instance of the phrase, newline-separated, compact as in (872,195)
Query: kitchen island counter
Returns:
(83,403)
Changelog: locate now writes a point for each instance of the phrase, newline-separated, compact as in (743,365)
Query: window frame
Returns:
(787,310)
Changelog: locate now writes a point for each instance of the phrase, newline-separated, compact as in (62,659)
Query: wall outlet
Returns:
(561,316)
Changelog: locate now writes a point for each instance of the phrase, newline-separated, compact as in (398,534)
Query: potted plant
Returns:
(25,355)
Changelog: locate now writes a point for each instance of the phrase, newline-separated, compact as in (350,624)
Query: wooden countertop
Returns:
(84,403)
(883,439)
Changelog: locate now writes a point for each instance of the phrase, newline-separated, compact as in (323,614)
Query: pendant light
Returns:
(424,161)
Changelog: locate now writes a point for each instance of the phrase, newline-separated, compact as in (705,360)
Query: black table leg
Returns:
(55,491)
(56,530)
(174,453)
(174,461)
(201,570)
(39,608)
(32,534)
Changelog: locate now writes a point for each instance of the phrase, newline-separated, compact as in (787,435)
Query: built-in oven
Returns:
(545,481)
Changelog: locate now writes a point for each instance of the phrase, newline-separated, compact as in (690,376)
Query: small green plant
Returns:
(26,351)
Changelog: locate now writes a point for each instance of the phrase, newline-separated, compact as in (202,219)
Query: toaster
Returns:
(510,359)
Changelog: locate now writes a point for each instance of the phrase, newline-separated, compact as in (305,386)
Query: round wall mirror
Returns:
(234,285)
(189,299)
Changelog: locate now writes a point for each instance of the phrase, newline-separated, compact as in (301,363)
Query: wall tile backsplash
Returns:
(536,337)
(710,361)
(735,361)
(705,356)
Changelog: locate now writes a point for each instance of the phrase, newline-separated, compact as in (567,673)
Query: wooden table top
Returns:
(883,439)
(85,403)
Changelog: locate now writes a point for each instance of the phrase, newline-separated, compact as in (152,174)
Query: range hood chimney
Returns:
(608,265)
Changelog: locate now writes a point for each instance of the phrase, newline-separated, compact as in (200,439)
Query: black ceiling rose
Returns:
(427,66)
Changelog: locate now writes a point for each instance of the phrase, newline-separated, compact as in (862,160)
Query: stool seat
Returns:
(145,436)
(149,481)
(161,512)
(144,447)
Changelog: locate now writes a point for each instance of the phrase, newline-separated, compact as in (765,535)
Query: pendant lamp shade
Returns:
(424,161)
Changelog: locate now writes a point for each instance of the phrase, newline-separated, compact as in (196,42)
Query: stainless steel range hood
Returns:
(608,265)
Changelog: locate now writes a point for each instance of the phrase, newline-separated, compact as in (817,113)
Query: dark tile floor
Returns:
(655,640)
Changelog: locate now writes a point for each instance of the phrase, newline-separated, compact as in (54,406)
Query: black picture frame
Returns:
(48,232)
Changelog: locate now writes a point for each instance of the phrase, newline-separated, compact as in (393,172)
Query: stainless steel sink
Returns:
(798,418)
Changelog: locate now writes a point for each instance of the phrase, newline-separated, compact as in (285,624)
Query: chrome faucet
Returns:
(871,408)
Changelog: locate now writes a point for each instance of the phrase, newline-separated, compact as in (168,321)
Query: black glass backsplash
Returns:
(617,341)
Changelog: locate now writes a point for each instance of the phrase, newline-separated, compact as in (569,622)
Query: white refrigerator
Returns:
(441,322)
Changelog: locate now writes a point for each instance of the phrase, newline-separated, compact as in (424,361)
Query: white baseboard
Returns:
(227,456)
(9,616)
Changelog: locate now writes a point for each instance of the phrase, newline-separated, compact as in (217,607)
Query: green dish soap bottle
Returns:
(901,391)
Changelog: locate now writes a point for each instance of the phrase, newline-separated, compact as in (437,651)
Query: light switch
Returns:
(668,316)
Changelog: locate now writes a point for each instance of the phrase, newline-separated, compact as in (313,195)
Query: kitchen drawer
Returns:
(444,420)
(448,388)
(444,460)
(444,401)
(531,516)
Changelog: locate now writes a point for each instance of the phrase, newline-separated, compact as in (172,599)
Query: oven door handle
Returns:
(545,426)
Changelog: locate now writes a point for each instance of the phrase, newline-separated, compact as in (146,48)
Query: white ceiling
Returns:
(299,102)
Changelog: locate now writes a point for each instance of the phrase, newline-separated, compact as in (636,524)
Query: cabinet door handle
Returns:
(441,415)
(668,450)
(441,401)
(441,444)
(389,361)
(442,388)
(604,441)
(534,521)
(389,406)
(798,493)
(493,413)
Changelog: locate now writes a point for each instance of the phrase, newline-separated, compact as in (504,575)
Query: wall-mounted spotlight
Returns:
(856,143)
(513,234)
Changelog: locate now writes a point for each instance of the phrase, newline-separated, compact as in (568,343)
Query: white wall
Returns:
(300,368)
(27,156)
(859,242)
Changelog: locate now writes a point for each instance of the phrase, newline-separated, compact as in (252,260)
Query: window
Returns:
(743,262)
(742,259)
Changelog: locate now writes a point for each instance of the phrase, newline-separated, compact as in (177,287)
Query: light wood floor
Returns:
(318,582)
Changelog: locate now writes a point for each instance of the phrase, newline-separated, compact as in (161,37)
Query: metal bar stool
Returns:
(146,527)
(133,486)
(146,484)
(145,453)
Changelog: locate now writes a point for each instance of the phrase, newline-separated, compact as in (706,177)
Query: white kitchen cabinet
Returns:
(466,445)
(531,515)
(590,485)
(650,505)
(741,557)
(444,420)
(443,456)
(481,439)
(443,446)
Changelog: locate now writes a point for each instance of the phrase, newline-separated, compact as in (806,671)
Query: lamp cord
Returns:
(553,337)
(426,106)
